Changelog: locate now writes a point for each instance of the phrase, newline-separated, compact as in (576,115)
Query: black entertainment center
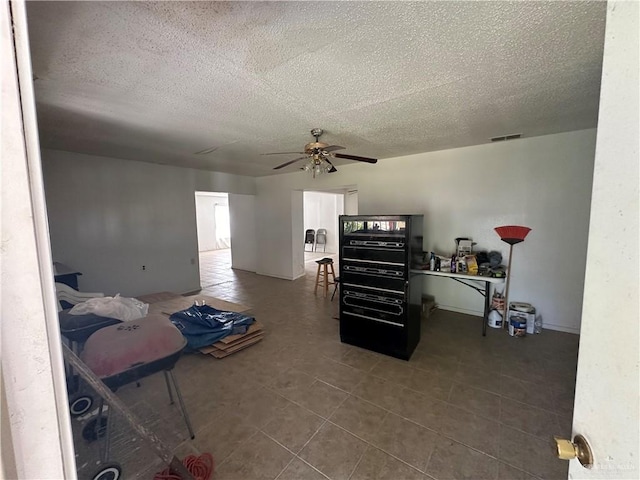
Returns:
(380,302)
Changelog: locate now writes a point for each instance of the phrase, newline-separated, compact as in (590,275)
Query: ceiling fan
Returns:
(318,155)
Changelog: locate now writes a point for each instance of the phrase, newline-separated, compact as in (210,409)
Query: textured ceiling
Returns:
(158,82)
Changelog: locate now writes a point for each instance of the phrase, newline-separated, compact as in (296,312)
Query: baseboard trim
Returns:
(243,269)
(191,292)
(560,328)
(475,313)
(282,277)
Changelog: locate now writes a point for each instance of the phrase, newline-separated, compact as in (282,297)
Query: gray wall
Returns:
(242,213)
(109,217)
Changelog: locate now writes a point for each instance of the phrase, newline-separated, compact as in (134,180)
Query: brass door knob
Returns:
(579,448)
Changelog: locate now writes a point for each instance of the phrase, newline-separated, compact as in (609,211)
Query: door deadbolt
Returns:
(579,448)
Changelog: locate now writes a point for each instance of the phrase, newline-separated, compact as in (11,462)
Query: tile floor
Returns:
(215,268)
(302,405)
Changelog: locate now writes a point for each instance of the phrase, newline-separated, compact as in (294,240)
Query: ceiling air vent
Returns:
(501,138)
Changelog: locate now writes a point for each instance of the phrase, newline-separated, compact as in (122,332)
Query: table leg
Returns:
(487,292)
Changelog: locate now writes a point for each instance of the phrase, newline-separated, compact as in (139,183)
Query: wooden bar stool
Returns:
(325,268)
(335,289)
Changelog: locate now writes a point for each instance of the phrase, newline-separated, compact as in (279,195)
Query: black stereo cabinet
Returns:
(380,303)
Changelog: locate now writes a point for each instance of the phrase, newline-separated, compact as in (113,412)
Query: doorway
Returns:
(213,227)
(321,212)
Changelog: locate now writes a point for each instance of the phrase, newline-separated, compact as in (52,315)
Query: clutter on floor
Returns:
(496,316)
(201,467)
(204,325)
(121,308)
(107,468)
(107,353)
(177,303)
(523,320)
(234,343)
(238,335)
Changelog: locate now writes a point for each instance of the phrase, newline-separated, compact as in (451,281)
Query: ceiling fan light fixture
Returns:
(317,166)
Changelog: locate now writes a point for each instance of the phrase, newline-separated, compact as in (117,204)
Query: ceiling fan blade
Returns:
(333,148)
(354,157)
(289,163)
(333,168)
(282,153)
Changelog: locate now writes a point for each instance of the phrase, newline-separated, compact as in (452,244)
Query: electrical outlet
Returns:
(193,261)
(144,267)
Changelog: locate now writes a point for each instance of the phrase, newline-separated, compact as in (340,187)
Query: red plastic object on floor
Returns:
(200,467)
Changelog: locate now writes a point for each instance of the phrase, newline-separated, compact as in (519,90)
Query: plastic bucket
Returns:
(495,319)
(517,326)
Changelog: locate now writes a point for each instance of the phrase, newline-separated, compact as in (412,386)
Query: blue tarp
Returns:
(203,325)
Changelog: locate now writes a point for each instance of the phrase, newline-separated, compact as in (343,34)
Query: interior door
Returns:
(607,396)
(36,440)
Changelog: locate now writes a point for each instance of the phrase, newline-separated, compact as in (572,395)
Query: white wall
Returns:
(542,182)
(109,217)
(297,222)
(274,232)
(242,213)
(321,210)
(206,220)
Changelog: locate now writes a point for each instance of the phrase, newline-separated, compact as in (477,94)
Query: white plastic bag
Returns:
(122,308)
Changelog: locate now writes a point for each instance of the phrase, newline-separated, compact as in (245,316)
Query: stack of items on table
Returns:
(463,261)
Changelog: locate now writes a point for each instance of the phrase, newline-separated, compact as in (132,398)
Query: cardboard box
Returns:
(464,248)
(235,343)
